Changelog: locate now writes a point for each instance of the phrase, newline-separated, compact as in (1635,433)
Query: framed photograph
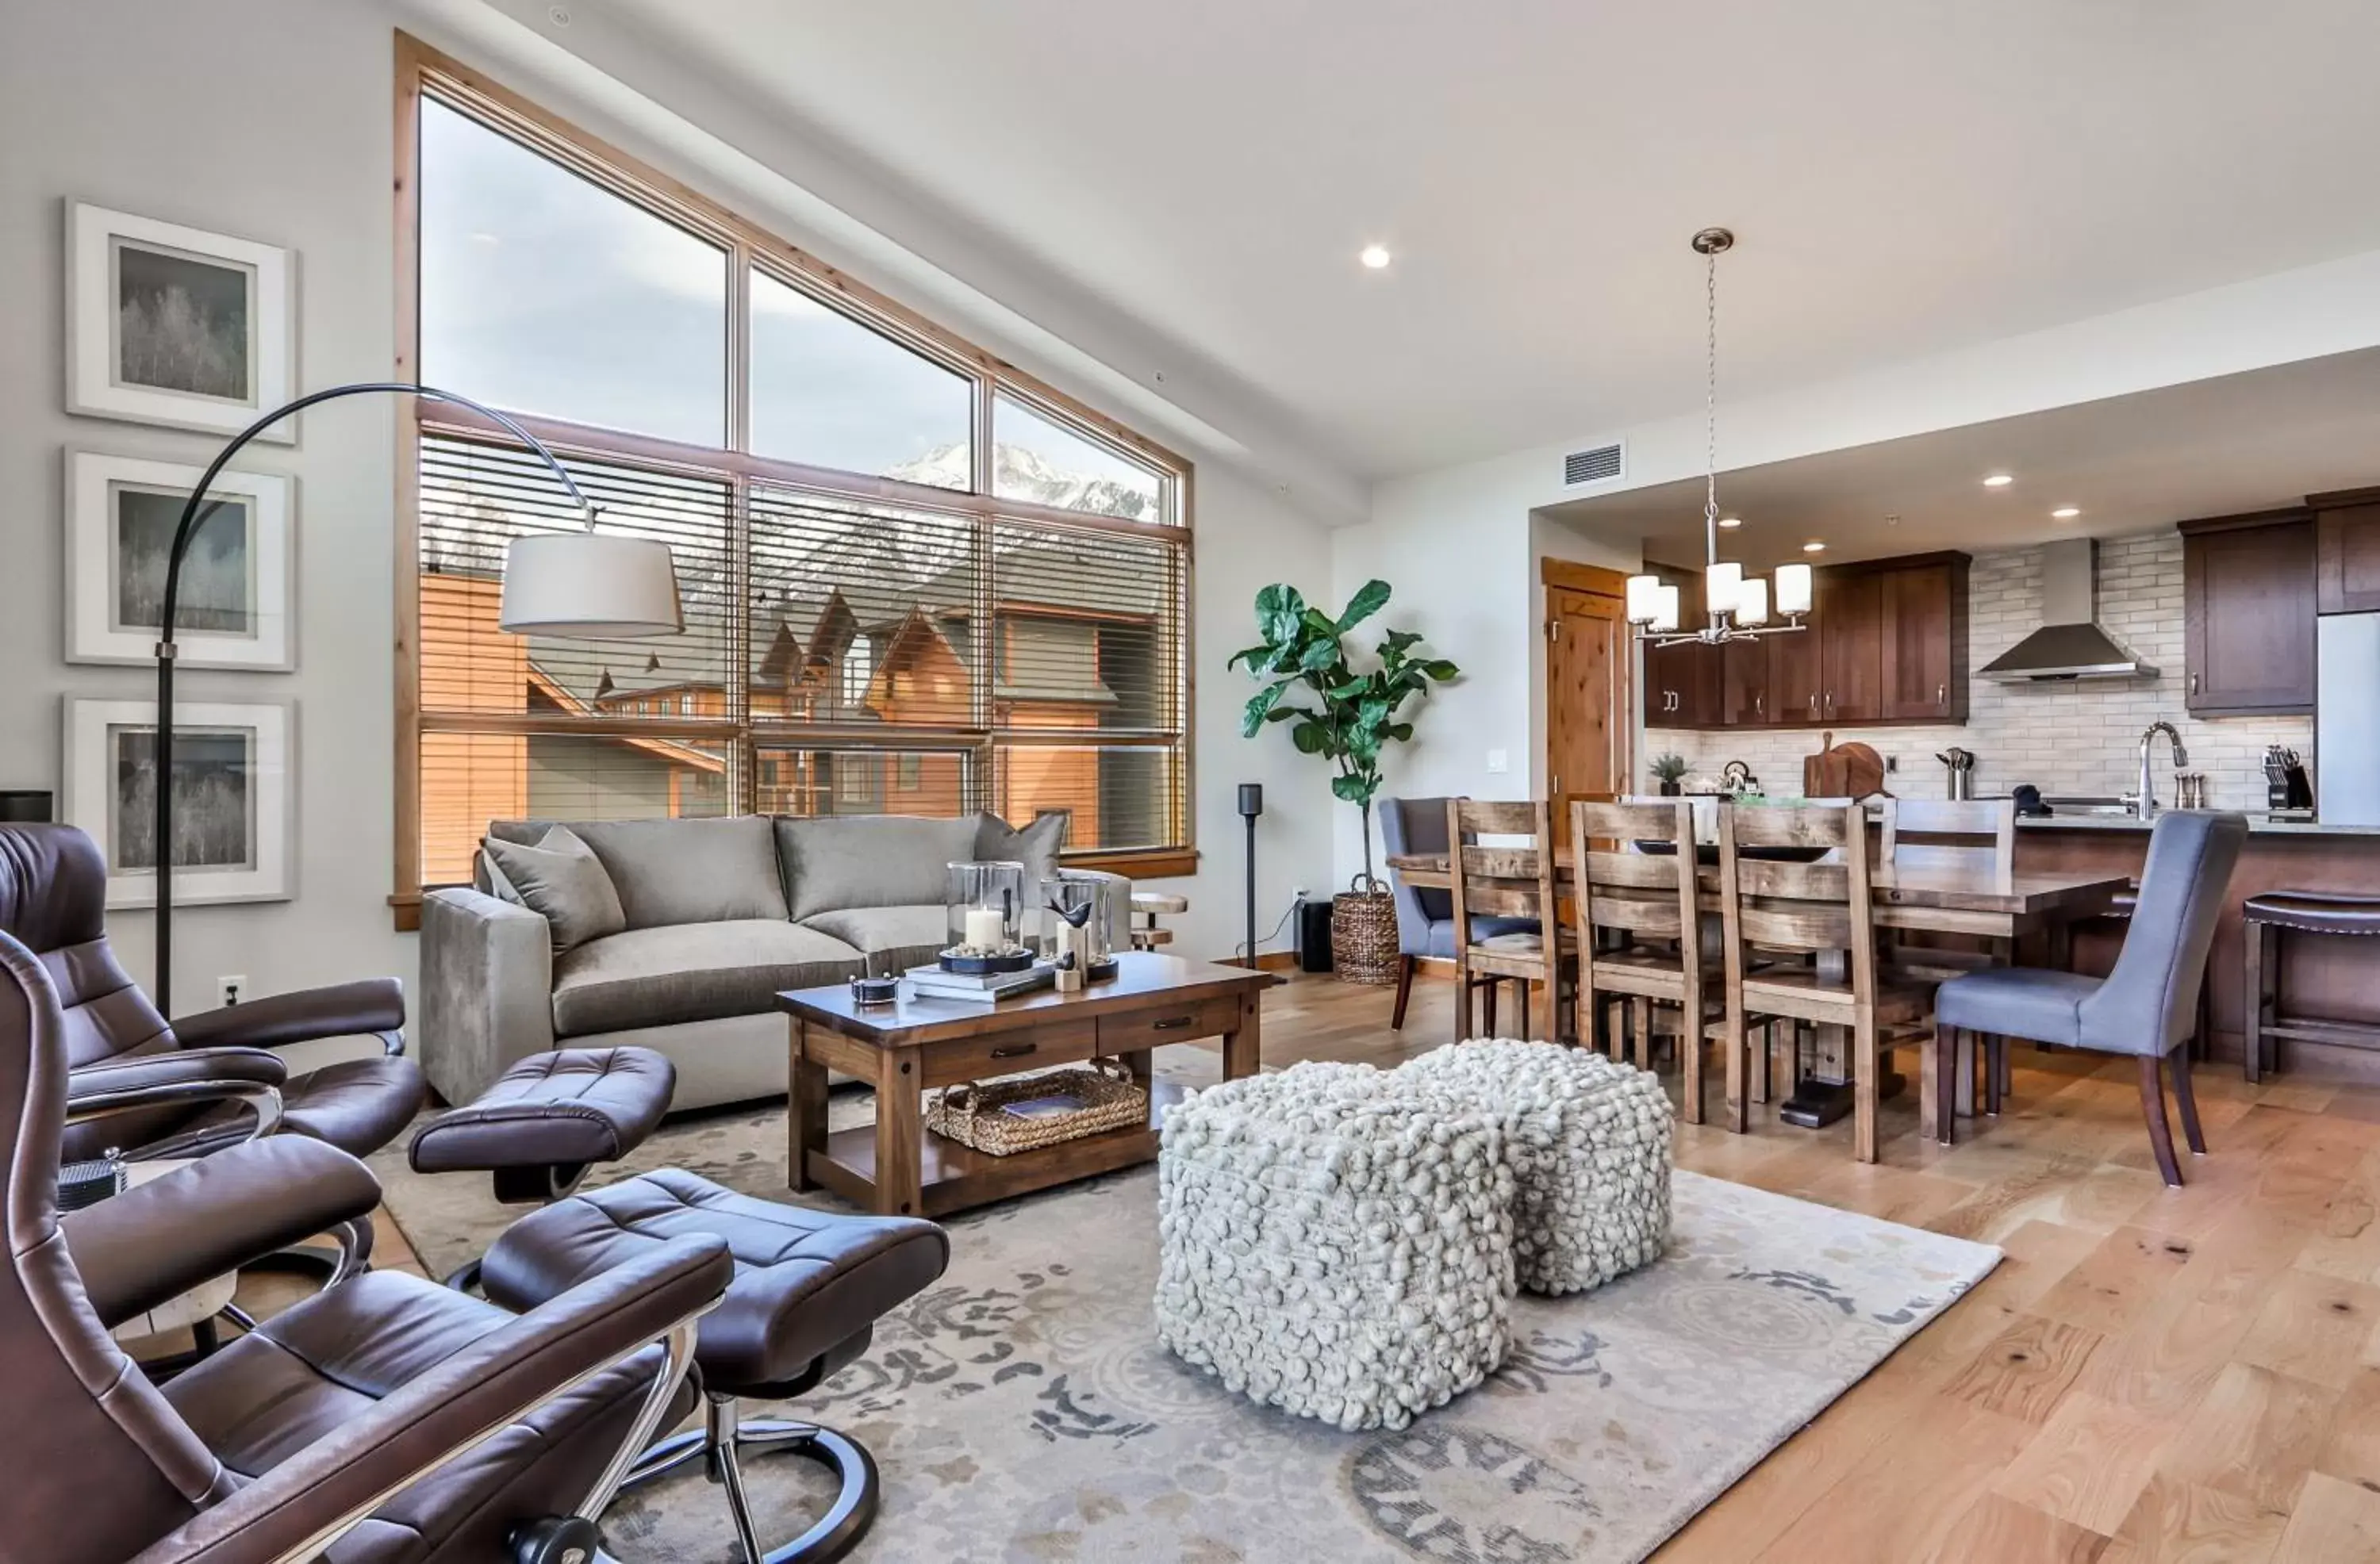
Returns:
(233,804)
(177,326)
(239,598)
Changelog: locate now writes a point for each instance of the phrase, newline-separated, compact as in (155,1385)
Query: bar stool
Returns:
(2298,912)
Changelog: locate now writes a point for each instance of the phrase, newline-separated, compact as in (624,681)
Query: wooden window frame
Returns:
(424,71)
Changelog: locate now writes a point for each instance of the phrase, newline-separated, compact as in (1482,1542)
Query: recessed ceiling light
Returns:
(2066,513)
(1377,257)
(1731,521)
(1998,480)
(1813,547)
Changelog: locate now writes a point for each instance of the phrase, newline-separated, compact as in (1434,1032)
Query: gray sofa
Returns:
(720,914)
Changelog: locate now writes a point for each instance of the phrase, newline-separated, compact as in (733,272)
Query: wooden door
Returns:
(1849,612)
(1916,632)
(2247,596)
(1743,684)
(2347,554)
(1587,694)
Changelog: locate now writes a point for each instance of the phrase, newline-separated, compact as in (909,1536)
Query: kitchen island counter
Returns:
(2259,824)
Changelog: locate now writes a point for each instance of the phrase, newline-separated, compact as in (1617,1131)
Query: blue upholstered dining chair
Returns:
(2146,1007)
(1426,917)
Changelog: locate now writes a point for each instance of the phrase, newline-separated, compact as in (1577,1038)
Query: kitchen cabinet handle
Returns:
(2194,683)
(1814,705)
(1942,695)
(1756,704)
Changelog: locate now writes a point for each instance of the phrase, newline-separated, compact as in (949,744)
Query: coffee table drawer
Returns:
(1005,1053)
(1178,1023)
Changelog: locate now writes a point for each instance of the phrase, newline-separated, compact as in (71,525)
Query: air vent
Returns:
(1591,466)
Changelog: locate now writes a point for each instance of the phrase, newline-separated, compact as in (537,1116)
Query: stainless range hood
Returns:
(2070,644)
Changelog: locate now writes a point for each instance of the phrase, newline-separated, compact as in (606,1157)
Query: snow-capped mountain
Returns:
(1023,474)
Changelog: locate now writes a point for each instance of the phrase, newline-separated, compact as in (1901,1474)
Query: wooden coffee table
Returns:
(898,1167)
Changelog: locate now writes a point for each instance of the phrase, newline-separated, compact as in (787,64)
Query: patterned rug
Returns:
(1021,1411)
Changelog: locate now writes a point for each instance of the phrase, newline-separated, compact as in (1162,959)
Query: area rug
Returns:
(1021,1410)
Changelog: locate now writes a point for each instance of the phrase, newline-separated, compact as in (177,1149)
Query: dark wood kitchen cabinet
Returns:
(1850,614)
(1924,637)
(2347,551)
(1885,641)
(1743,683)
(1796,677)
(2247,605)
(1682,687)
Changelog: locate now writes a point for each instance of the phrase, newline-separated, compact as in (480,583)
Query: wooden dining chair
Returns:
(1977,834)
(1825,909)
(1637,930)
(1507,881)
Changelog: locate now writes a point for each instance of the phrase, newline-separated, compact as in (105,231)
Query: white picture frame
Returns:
(239,755)
(173,325)
(238,607)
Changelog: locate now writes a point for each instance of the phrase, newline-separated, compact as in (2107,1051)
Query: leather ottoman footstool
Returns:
(810,1288)
(545,1122)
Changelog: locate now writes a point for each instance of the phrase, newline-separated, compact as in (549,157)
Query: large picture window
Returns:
(915,581)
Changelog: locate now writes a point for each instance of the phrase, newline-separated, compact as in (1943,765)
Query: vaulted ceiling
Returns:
(1906,176)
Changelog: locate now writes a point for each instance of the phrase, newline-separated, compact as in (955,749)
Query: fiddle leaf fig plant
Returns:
(1345,716)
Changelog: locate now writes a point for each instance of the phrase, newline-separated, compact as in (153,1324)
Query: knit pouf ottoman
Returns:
(1333,1247)
(1588,1142)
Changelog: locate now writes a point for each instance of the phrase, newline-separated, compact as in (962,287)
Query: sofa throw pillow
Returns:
(680,871)
(869,861)
(1037,846)
(561,881)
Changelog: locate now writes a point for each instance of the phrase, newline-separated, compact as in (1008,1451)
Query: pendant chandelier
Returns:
(1735,606)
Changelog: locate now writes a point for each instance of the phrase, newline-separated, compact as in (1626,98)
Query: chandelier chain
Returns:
(1710,403)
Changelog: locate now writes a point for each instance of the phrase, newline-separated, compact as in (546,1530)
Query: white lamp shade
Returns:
(1751,602)
(1792,589)
(1643,599)
(1722,586)
(1665,609)
(590,585)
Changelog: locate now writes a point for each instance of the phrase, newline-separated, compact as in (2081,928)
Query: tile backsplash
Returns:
(2064,738)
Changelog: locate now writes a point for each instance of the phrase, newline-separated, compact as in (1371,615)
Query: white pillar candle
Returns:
(983,928)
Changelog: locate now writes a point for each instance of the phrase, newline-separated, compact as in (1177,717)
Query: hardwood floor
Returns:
(2150,1375)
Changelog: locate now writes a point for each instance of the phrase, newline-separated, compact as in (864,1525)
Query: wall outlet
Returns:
(1498,762)
(229,989)
(1892,762)
(1300,893)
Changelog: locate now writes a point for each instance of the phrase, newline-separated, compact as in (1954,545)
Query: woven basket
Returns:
(1364,936)
(971,1115)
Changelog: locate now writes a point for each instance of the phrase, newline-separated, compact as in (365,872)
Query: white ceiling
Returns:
(2131,464)
(1906,176)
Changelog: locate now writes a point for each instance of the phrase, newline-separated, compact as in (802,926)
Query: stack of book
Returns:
(933,983)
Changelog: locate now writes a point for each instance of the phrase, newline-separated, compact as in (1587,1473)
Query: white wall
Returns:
(272,120)
(2070,739)
(1457,558)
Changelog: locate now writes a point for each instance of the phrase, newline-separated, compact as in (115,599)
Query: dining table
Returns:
(1931,897)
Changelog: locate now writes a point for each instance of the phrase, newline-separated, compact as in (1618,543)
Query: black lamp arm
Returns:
(162,981)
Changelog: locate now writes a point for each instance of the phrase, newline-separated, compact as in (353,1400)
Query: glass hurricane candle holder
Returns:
(1066,897)
(986,906)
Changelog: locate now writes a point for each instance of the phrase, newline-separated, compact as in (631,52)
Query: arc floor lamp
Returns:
(580,584)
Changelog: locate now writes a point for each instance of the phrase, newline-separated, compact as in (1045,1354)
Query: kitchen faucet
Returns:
(2144,803)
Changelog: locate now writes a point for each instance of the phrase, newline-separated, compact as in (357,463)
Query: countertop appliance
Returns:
(2347,719)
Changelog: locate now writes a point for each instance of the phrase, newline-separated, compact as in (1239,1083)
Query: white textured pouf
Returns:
(1588,1142)
(1333,1247)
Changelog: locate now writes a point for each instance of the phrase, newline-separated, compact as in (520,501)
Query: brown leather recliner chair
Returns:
(387,1420)
(208,1081)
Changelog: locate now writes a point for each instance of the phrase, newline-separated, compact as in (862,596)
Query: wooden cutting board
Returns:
(1842,771)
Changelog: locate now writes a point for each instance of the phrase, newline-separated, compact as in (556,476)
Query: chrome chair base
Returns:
(722,1441)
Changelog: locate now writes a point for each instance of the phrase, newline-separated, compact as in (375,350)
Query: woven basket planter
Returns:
(1364,936)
